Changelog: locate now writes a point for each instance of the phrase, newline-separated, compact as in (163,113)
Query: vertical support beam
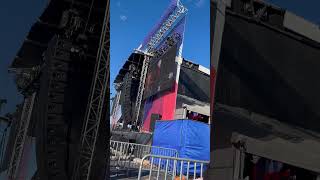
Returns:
(185,109)
(96,104)
(21,137)
(217,27)
(179,60)
(217,21)
(143,76)
(115,110)
(238,161)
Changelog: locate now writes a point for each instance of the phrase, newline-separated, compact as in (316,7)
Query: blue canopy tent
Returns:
(190,138)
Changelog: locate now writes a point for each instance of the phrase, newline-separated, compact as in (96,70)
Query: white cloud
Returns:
(123,17)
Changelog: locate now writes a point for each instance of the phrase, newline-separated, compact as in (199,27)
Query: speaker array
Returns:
(58,131)
(126,100)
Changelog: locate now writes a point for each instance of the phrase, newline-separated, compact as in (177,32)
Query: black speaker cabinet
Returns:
(154,117)
(63,95)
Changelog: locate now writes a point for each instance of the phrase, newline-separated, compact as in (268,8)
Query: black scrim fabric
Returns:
(269,72)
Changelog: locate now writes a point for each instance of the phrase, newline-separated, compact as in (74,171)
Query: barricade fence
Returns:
(129,155)
(164,167)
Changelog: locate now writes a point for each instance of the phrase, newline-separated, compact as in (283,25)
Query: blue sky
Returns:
(131,21)
(16,18)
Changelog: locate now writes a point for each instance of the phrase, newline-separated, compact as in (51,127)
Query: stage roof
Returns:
(135,59)
(47,25)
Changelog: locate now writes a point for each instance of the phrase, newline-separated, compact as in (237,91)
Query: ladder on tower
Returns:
(21,137)
(97,100)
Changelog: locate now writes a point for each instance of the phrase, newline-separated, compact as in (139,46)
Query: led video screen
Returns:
(194,84)
(269,72)
(161,74)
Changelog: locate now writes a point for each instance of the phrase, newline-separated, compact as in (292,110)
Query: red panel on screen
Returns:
(163,103)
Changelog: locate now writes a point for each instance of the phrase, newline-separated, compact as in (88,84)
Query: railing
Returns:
(163,167)
(129,155)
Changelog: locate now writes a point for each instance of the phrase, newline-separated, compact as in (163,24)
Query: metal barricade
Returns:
(163,167)
(129,155)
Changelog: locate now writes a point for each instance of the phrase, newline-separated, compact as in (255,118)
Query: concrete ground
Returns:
(129,174)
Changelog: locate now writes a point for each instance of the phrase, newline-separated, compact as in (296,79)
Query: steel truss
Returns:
(115,107)
(95,105)
(170,41)
(143,76)
(21,137)
(166,26)
(150,51)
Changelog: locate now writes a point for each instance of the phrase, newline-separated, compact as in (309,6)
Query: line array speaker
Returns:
(64,88)
(126,100)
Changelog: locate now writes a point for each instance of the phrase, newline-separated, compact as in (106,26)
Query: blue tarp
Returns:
(190,138)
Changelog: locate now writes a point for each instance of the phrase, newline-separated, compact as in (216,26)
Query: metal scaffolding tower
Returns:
(152,44)
(21,137)
(178,12)
(143,76)
(96,103)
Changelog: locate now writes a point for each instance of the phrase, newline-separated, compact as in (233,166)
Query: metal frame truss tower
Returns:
(96,103)
(161,33)
(166,26)
(21,137)
(143,76)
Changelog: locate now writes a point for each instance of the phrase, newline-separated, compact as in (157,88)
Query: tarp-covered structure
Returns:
(190,138)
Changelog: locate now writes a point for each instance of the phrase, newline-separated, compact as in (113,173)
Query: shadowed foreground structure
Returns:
(263,68)
(57,62)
